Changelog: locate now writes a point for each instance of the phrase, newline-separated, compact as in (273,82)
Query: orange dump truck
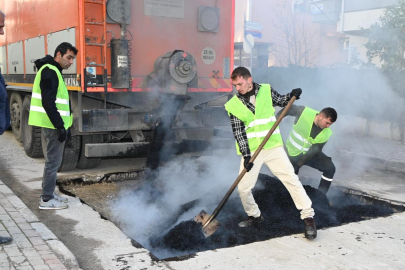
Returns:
(135,59)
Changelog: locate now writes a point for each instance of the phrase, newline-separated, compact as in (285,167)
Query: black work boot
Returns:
(251,221)
(324,186)
(5,240)
(310,228)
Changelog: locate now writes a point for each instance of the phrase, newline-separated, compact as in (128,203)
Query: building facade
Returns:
(293,34)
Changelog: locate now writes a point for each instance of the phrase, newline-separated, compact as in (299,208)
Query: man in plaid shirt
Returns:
(252,116)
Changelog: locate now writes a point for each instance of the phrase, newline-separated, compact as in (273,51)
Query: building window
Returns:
(301,5)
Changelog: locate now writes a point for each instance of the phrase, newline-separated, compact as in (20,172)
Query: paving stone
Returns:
(24,225)
(14,230)
(30,233)
(36,261)
(41,267)
(24,268)
(36,240)
(12,244)
(28,215)
(42,252)
(19,236)
(30,252)
(25,244)
(49,257)
(2,228)
(15,214)
(2,211)
(58,267)
(9,223)
(3,255)
(16,202)
(53,262)
(17,259)
(4,217)
(20,219)
(12,251)
(41,247)
(10,209)
(43,231)
(5,190)
(5,265)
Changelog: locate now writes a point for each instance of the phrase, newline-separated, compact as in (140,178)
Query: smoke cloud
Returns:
(156,207)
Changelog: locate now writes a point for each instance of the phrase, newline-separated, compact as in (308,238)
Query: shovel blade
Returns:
(210,228)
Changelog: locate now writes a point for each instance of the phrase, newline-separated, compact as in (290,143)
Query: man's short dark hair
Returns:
(240,71)
(329,113)
(64,47)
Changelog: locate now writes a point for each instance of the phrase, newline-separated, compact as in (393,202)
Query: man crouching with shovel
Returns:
(252,116)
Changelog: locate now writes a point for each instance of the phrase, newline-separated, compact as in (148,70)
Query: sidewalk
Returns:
(381,153)
(33,243)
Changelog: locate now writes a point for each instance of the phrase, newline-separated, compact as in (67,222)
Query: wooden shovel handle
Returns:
(228,194)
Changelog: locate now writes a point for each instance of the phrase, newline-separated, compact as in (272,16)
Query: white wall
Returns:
(358,20)
(240,9)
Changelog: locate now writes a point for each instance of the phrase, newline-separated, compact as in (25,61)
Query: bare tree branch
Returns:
(296,41)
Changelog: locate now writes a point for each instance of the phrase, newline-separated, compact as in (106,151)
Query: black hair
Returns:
(240,71)
(329,113)
(64,47)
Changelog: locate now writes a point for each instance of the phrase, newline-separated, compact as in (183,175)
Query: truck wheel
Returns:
(31,136)
(85,162)
(70,154)
(16,106)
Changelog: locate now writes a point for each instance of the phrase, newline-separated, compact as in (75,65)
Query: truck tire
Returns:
(85,162)
(70,154)
(16,106)
(31,136)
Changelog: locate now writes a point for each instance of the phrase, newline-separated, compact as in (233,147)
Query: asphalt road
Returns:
(98,244)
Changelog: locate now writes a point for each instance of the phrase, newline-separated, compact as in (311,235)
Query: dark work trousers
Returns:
(321,162)
(53,160)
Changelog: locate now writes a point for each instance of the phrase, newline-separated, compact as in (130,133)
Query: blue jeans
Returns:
(53,160)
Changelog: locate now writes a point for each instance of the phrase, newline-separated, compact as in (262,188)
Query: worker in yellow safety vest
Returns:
(50,110)
(252,116)
(310,132)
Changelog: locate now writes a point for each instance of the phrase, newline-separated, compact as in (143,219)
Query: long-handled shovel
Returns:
(209,223)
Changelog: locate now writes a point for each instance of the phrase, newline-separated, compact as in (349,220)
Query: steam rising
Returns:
(154,208)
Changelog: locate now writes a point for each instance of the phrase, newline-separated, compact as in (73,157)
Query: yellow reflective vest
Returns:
(259,124)
(38,116)
(299,141)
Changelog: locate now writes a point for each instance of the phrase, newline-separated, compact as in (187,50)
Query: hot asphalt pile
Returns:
(280,218)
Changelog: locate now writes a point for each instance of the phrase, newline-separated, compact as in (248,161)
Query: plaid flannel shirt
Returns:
(238,127)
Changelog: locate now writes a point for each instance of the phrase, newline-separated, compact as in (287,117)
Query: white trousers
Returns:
(279,164)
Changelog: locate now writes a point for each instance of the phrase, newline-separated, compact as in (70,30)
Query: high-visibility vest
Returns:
(299,141)
(257,125)
(38,116)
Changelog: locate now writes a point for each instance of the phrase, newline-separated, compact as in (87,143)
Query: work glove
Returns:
(296,168)
(296,93)
(62,134)
(69,134)
(248,166)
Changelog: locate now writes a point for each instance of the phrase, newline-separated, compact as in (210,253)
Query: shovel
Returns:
(209,223)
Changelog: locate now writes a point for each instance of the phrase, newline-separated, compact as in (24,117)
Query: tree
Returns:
(295,42)
(387,38)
